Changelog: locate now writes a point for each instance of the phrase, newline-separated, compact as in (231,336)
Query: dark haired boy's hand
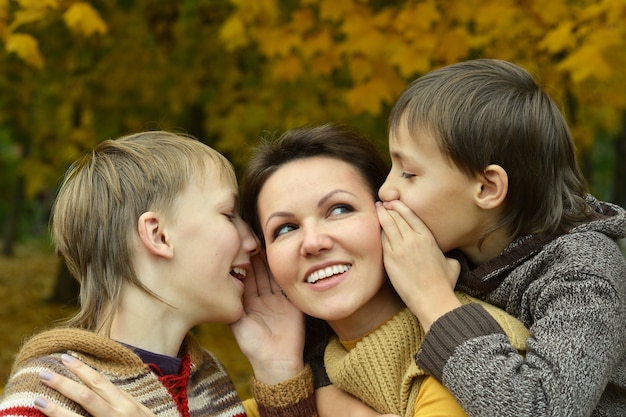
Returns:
(421,274)
(271,330)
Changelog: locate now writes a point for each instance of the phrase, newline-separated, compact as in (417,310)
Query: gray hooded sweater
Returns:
(570,290)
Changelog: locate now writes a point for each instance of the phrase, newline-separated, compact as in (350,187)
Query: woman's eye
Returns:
(407,175)
(281,230)
(340,209)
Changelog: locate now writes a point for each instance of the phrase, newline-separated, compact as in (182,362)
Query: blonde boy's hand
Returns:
(421,274)
(271,331)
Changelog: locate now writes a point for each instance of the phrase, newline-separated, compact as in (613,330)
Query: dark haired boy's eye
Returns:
(407,175)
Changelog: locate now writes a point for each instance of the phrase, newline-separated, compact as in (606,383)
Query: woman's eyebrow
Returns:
(330,194)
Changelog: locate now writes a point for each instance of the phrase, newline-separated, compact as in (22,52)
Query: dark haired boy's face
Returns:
(433,188)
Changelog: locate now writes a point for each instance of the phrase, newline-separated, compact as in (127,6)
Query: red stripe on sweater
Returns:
(22,411)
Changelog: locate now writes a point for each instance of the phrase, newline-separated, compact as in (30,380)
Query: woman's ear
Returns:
(153,235)
(494,185)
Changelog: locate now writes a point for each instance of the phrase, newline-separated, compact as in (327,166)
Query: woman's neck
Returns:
(383,306)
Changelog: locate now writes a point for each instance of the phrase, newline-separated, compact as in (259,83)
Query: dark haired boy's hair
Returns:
(489,111)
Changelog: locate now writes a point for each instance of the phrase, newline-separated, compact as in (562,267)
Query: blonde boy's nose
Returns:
(249,241)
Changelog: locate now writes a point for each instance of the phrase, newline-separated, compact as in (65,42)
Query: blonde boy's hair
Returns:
(95,215)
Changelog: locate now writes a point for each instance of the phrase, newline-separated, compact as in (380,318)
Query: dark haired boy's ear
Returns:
(153,235)
(494,185)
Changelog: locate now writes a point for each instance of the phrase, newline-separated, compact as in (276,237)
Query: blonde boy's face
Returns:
(212,249)
(439,193)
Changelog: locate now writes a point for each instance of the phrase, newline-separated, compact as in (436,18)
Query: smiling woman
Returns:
(332,235)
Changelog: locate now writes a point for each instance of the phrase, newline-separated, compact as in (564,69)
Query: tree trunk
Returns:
(619,179)
(13,218)
(66,289)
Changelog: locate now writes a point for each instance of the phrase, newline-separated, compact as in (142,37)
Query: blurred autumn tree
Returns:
(362,54)
(76,72)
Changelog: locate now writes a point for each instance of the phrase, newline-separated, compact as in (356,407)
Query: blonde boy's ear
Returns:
(494,185)
(153,235)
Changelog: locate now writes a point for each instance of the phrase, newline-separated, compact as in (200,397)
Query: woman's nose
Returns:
(315,240)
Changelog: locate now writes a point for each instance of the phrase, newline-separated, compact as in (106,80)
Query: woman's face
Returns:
(323,238)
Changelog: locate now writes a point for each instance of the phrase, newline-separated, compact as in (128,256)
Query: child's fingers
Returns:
(407,215)
(388,223)
(99,397)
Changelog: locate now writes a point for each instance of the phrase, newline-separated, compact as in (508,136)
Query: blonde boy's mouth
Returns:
(238,272)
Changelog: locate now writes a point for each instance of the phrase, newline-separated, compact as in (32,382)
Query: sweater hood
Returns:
(99,351)
(606,219)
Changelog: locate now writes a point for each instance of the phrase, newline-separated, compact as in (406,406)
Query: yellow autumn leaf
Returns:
(551,12)
(26,47)
(607,37)
(35,4)
(362,37)
(266,10)
(287,69)
(276,42)
(559,39)
(303,19)
(26,16)
(233,33)
(412,58)
(325,63)
(413,19)
(584,63)
(461,11)
(317,42)
(454,45)
(361,99)
(336,10)
(81,18)
(369,97)
(496,17)
(4,10)
(360,68)
(616,13)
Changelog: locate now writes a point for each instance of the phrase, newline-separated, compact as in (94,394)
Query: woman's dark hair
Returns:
(329,140)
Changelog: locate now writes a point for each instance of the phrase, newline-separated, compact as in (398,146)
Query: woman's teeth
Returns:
(327,272)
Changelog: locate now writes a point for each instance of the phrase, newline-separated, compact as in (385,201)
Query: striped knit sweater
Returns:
(380,369)
(209,390)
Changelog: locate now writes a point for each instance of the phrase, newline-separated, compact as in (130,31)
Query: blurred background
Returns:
(74,73)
